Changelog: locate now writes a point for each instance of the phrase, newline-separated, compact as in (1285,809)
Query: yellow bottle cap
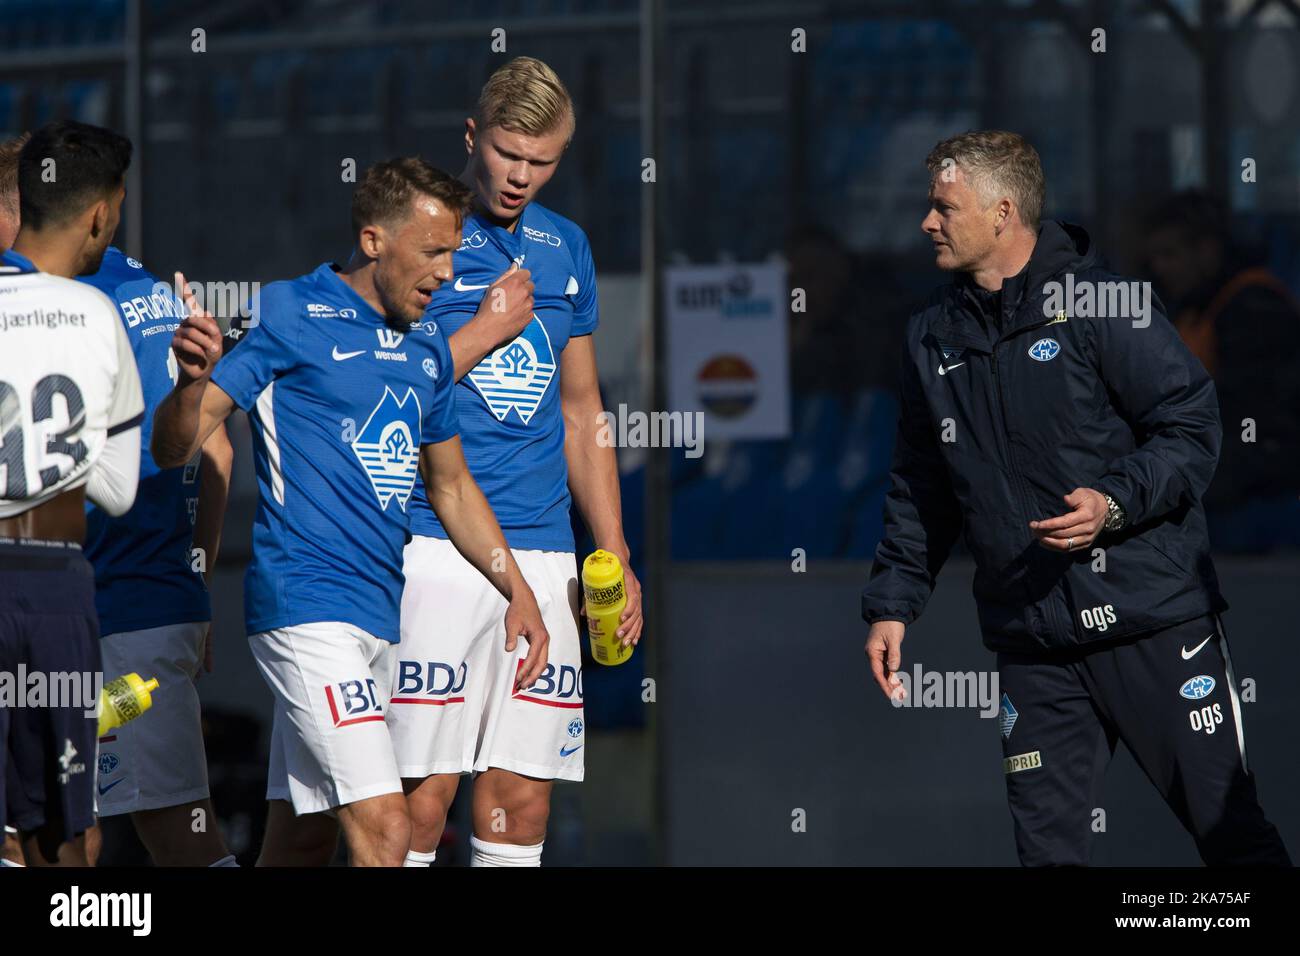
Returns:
(601,569)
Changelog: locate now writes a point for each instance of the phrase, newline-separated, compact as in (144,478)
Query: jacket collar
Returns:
(1061,247)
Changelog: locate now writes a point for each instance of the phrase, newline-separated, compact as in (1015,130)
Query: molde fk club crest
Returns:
(388,447)
(517,375)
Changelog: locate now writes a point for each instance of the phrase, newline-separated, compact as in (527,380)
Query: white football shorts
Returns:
(329,743)
(453,706)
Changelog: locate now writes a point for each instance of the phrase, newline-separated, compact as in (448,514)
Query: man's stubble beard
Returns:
(95,259)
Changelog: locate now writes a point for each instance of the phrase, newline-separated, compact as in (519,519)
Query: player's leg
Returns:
(429,801)
(53,747)
(290,840)
(183,835)
(450,618)
(377,830)
(11,851)
(1173,696)
(532,738)
(93,843)
(1055,747)
(43,847)
(155,768)
(331,681)
(510,816)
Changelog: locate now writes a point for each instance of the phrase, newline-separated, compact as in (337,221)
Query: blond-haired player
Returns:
(528,402)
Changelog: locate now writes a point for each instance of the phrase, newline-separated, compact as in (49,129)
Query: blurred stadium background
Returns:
(762,703)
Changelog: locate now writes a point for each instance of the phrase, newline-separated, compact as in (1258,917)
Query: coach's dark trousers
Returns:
(1172,698)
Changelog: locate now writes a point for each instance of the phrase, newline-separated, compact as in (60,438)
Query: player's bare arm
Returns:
(506,308)
(472,527)
(191,413)
(593,470)
(214,487)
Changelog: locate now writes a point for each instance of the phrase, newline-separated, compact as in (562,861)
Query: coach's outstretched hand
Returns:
(197,343)
(885,652)
(524,618)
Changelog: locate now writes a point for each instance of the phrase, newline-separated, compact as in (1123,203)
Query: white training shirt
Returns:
(68,382)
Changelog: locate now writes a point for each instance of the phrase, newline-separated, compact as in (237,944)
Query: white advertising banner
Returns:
(727,347)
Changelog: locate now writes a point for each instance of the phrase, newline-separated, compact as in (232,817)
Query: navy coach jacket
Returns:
(1006,408)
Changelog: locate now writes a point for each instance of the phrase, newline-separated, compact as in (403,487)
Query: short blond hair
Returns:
(525,96)
(996,164)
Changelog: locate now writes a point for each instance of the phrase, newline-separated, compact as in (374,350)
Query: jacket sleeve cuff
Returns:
(872,612)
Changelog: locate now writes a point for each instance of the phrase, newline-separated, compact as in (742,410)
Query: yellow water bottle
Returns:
(124,699)
(606,597)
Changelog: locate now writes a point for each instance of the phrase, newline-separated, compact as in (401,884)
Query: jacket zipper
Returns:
(1050,615)
(1011,459)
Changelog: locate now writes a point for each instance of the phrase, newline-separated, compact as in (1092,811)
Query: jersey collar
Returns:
(16,260)
(330,280)
(509,244)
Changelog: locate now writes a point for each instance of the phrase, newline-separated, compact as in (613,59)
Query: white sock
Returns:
(503,854)
(225,861)
(416,858)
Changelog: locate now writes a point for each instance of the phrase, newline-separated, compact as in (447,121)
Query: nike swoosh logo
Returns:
(340,356)
(945,369)
(460,286)
(104,790)
(1188,655)
(563,752)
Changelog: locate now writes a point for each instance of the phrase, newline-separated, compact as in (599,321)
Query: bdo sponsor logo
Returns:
(556,687)
(430,682)
(353,702)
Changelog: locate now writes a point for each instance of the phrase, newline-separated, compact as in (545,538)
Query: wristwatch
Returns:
(1115,517)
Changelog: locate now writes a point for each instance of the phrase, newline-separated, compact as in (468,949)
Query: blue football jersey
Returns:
(340,403)
(145,575)
(511,424)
